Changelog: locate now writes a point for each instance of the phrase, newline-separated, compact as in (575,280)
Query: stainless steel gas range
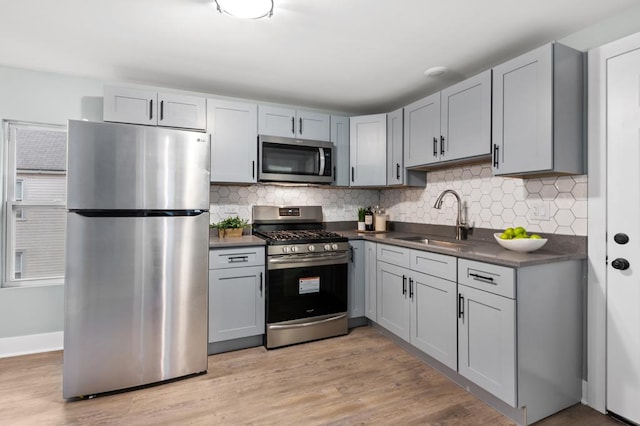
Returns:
(306,275)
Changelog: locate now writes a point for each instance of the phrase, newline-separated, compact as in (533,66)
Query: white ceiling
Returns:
(358,56)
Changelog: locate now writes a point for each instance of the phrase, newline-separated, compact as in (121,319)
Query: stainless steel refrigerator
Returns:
(136,256)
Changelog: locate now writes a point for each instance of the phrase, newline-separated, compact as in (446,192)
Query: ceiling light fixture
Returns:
(436,71)
(246,9)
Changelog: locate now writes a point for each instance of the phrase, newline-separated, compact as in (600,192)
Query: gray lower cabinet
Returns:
(520,333)
(236,293)
(538,113)
(356,270)
(417,300)
(370,280)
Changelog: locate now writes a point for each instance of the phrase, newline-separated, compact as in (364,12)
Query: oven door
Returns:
(303,286)
(295,160)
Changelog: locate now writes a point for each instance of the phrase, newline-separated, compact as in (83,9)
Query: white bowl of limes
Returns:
(517,239)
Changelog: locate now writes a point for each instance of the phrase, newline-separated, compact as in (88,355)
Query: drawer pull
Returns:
(238,259)
(482,278)
(404,285)
(460,306)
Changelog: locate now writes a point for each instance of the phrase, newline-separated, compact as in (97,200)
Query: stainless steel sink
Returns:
(454,245)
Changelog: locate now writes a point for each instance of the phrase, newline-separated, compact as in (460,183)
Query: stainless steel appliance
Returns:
(136,256)
(295,160)
(306,275)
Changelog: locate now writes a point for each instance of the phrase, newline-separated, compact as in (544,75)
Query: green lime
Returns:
(520,231)
(535,237)
(505,236)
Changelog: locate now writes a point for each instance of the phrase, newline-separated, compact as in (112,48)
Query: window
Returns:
(17,269)
(36,184)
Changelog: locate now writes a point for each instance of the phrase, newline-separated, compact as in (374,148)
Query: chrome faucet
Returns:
(461,225)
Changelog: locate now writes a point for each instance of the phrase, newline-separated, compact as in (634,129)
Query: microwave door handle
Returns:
(321,171)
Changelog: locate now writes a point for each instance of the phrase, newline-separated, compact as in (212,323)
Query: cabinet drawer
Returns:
(399,256)
(492,278)
(437,265)
(239,257)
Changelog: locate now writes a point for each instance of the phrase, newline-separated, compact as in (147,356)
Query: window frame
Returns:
(10,205)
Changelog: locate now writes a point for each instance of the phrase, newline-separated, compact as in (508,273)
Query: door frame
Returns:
(595,394)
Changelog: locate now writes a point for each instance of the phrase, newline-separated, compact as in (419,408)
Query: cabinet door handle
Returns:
(496,148)
(161,110)
(479,277)
(351,254)
(410,288)
(300,125)
(253,169)
(150,109)
(293,125)
(238,259)
(335,173)
(435,147)
(460,306)
(260,284)
(404,285)
(353,172)
(398,171)
(441,145)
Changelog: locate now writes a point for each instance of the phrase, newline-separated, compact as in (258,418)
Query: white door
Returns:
(623,217)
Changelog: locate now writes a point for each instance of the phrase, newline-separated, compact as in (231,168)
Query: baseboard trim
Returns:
(31,344)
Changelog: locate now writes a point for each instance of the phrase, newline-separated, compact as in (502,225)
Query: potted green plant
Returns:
(361,213)
(230,227)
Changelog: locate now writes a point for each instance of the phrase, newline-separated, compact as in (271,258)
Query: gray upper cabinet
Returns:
(143,106)
(395,161)
(450,126)
(368,150)
(292,123)
(465,122)
(233,127)
(538,113)
(397,173)
(340,139)
(422,131)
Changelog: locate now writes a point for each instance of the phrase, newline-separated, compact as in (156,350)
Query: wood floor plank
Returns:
(359,379)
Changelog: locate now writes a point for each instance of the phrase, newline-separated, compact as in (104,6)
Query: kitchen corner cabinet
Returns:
(233,127)
(293,123)
(417,299)
(368,150)
(451,126)
(538,113)
(236,293)
(397,173)
(370,280)
(520,333)
(143,106)
(340,139)
(356,270)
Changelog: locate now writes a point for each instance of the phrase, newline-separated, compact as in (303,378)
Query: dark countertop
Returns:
(483,251)
(480,250)
(243,241)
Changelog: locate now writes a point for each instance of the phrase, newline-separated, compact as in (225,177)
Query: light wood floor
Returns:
(362,378)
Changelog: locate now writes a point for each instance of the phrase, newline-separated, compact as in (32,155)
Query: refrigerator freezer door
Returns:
(128,167)
(135,301)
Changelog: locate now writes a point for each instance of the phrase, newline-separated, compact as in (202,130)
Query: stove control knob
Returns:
(285,249)
(334,246)
(327,247)
(294,249)
(311,248)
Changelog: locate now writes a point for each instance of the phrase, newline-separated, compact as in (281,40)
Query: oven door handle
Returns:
(319,260)
(307,324)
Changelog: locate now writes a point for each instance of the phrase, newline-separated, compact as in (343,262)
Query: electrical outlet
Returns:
(541,211)
(350,208)
(231,210)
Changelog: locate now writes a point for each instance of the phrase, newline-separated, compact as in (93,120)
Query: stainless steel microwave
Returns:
(295,160)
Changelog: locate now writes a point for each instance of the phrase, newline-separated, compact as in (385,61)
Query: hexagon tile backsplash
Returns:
(491,202)
(495,202)
(338,204)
